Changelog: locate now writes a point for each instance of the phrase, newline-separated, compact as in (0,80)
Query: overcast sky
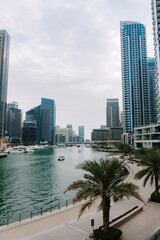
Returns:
(69,51)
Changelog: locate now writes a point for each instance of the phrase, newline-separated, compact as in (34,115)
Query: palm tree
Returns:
(104,179)
(151,170)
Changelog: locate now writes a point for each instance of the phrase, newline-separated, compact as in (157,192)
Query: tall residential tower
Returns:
(4,62)
(135,90)
(156,33)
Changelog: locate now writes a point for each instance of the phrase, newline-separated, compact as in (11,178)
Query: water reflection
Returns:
(31,180)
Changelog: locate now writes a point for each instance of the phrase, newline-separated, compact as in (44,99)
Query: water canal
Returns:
(37,180)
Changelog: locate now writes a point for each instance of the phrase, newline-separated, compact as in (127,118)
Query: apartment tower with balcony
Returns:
(135,88)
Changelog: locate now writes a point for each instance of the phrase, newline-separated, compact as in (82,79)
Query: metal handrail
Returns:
(39,211)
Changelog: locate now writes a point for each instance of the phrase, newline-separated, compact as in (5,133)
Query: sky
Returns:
(69,51)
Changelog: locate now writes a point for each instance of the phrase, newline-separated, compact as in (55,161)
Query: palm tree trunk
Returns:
(156,186)
(106,211)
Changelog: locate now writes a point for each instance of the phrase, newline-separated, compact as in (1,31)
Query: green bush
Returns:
(113,234)
(154,197)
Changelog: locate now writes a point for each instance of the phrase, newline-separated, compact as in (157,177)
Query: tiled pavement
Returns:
(64,225)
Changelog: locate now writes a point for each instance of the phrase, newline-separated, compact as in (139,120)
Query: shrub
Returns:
(113,234)
(154,197)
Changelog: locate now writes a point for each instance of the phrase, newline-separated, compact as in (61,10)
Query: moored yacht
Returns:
(61,158)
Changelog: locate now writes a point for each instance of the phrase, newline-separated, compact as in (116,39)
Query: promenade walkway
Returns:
(63,224)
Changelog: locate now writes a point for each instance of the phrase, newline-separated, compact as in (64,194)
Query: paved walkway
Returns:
(63,224)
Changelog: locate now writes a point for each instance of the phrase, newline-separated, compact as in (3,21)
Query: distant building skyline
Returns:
(62,135)
(4,65)
(135,89)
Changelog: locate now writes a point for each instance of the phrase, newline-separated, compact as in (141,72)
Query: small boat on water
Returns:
(61,158)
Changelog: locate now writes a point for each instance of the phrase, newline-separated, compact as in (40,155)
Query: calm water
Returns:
(33,180)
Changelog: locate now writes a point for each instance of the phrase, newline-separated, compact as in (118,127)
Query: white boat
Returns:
(28,150)
(61,158)
(17,149)
(61,145)
(36,147)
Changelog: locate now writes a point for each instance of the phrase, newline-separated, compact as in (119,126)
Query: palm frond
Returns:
(75,185)
(141,173)
(86,205)
(127,190)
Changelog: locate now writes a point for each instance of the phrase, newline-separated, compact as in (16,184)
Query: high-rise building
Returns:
(112,112)
(29,132)
(81,133)
(156,33)
(135,89)
(48,120)
(35,114)
(62,135)
(152,89)
(45,117)
(69,126)
(4,64)
(13,122)
(148,136)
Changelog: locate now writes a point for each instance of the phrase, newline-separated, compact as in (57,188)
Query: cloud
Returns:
(69,51)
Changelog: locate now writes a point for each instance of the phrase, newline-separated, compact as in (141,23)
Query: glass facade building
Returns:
(69,126)
(81,133)
(152,89)
(13,122)
(4,64)
(48,119)
(135,89)
(29,132)
(112,112)
(34,114)
(45,117)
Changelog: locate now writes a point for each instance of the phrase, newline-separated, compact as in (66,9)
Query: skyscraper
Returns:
(135,90)
(4,62)
(35,114)
(69,126)
(156,33)
(112,112)
(152,89)
(45,117)
(13,122)
(81,133)
(48,120)
(148,136)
